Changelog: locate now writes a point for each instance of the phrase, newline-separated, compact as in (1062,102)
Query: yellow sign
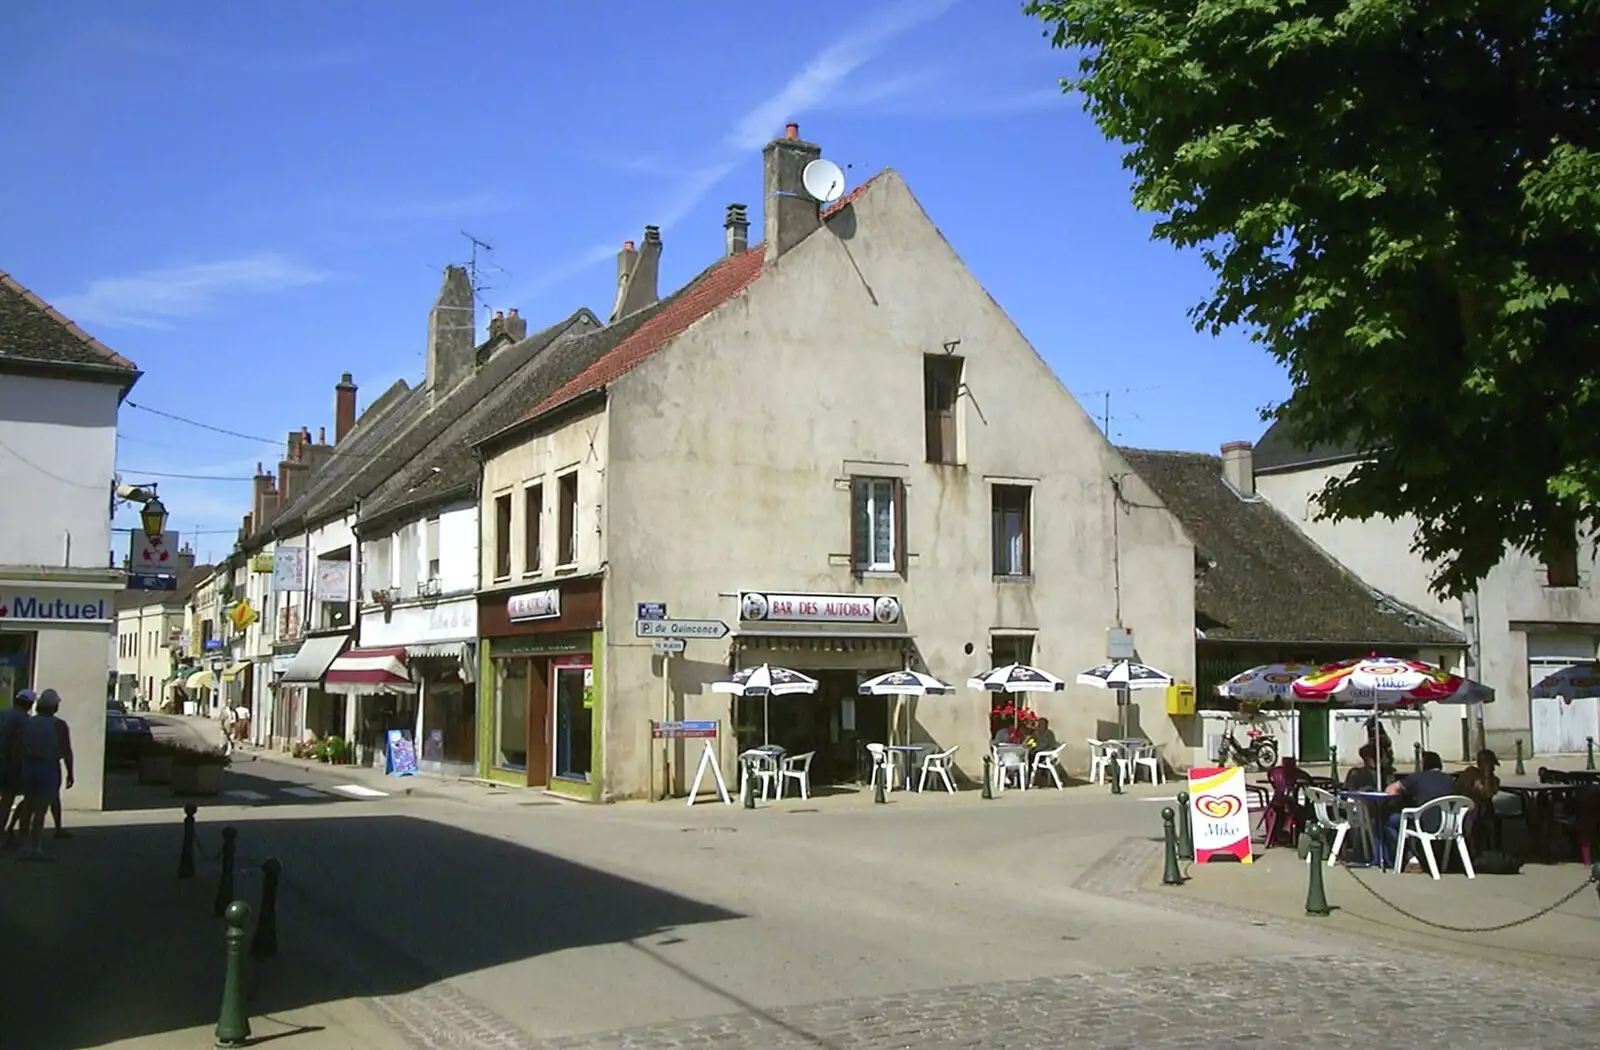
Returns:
(242,614)
(261,562)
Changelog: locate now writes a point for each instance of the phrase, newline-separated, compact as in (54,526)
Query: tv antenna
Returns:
(1105,418)
(476,267)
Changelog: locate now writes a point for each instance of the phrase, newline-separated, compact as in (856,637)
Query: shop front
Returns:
(539,695)
(304,709)
(841,640)
(437,644)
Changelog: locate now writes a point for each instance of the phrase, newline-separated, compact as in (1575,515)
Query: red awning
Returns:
(369,671)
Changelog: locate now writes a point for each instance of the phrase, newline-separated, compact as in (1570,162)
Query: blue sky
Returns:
(249,198)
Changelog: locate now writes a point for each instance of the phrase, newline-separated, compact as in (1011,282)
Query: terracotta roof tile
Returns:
(716,285)
(33,330)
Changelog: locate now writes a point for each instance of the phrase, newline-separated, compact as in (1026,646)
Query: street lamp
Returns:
(154,518)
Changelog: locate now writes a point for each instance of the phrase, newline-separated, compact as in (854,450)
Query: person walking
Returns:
(46,743)
(12,721)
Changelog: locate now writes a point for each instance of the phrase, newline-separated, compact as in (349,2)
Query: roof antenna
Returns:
(476,269)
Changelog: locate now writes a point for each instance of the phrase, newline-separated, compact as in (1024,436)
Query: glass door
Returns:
(572,696)
(511,714)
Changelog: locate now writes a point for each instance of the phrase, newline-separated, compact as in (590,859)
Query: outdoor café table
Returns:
(1374,801)
(1000,751)
(767,754)
(1538,810)
(907,755)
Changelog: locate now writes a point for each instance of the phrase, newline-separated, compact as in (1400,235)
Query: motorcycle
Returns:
(1261,751)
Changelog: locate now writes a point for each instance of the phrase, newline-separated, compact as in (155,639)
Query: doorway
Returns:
(521,719)
(572,697)
(836,722)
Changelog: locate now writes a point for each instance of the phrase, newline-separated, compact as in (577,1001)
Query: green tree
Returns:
(1400,200)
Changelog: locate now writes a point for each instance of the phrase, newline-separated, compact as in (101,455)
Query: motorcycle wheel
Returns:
(1266,756)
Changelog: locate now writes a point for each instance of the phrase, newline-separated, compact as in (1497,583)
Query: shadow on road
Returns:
(370,906)
(251,784)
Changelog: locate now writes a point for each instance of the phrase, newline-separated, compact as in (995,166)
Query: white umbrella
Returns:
(1266,682)
(1570,683)
(765,681)
(1121,675)
(1016,678)
(901,684)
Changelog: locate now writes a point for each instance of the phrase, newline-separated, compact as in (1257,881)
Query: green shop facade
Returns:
(539,686)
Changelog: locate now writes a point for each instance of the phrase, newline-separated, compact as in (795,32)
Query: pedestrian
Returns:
(46,744)
(12,721)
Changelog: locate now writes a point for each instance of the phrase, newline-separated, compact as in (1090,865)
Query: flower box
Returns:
(155,767)
(192,778)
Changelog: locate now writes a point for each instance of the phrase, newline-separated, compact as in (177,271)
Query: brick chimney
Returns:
(516,325)
(636,274)
(344,407)
(293,468)
(264,497)
(317,453)
(788,214)
(497,325)
(1238,467)
(736,228)
(451,332)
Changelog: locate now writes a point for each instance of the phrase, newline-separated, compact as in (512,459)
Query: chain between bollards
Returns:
(186,855)
(225,879)
(1185,827)
(264,945)
(1333,762)
(988,775)
(1316,893)
(1521,769)
(233,1022)
(1170,875)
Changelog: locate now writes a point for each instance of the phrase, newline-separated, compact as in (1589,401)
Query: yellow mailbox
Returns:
(1180,699)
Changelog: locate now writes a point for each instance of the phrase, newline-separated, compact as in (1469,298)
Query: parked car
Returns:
(125,735)
(115,705)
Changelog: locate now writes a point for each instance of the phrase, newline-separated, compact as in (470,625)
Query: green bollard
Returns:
(1521,769)
(748,795)
(1170,875)
(233,1022)
(186,855)
(1185,828)
(1333,762)
(1416,757)
(264,945)
(988,775)
(1316,895)
(878,791)
(1116,776)
(1588,762)
(225,880)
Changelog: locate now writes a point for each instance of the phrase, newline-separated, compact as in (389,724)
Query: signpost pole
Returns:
(666,716)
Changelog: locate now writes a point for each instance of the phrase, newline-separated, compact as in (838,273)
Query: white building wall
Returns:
(59,457)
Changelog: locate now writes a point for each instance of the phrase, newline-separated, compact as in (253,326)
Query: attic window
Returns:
(1561,564)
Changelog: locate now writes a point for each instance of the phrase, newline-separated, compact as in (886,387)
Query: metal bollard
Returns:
(1521,769)
(264,945)
(233,1022)
(1333,762)
(1416,757)
(749,793)
(225,881)
(1588,762)
(988,775)
(186,855)
(1185,827)
(879,779)
(1316,894)
(1170,875)
(1116,775)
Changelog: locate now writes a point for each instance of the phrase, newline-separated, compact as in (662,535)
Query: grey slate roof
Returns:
(33,332)
(1278,450)
(1264,580)
(188,580)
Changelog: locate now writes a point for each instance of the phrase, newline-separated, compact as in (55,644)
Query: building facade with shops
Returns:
(836,443)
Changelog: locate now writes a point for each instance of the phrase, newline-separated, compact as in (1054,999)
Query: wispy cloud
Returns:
(144,42)
(967,104)
(157,298)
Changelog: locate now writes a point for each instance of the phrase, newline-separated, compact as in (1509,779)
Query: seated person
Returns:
(1479,783)
(1006,735)
(1418,789)
(1043,738)
(1365,776)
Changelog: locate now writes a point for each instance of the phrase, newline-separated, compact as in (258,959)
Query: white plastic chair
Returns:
(938,765)
(1144,757)
(1048,762)
(881,769)
(1099,759)
(798,769)
(763,766)
(1453,811)
(1343,817)
(1008,760)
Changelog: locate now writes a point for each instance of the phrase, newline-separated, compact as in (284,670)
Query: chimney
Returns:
(1238,467)
(264,497)
(736,228)
(451,331)
(636,274)
(516,325)
(497,324)
(249,524)
(788,214)
(322,435)
(344,407)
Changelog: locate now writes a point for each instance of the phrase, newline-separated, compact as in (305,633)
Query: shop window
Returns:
(574,703)
(877,524)
(1011,507)
(941,390)
(502,536)
(532,529)
(511,714)
(1010,649)
(567,520)
(16,662)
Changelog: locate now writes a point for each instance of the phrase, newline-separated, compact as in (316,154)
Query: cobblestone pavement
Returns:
(1313,1003)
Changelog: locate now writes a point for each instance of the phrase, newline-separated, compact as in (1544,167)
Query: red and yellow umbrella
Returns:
(1388,682)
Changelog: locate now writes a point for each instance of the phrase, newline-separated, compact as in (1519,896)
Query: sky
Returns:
(250,198)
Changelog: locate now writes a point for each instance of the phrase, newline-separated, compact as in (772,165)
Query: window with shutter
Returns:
(941,392)
(567,519)
(532,529)
(502,536)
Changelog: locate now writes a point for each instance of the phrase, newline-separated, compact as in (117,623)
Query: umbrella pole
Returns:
(766,720)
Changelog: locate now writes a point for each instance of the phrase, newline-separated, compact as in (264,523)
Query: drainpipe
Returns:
(1469,617)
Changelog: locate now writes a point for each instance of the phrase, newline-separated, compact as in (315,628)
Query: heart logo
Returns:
(1218,807)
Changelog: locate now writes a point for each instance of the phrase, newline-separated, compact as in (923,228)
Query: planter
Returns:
(155,769)
(197,779)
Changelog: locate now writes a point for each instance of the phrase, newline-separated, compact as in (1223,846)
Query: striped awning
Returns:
(369,671)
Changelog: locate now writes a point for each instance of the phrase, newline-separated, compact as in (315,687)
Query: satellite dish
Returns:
(823,180)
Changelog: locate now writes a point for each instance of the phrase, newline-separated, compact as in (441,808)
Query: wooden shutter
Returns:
(900,559)
(858,529)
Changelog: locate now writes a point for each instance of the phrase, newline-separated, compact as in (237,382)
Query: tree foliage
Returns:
(1400,199)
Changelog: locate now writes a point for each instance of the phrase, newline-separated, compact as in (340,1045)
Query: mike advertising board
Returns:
(1219,813)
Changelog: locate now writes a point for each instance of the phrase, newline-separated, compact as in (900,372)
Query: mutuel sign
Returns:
(45,606)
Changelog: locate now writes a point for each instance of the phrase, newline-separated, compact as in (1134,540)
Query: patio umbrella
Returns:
(765,681)
(1124,675)
(1570,683)
(901,684)
(1266,682)
(1389,682)
(1016,678)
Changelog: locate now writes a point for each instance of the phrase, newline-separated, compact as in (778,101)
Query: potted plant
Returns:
(336,751)
(155,762)
(198,771)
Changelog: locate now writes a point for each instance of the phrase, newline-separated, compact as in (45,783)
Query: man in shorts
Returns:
(12,721)
(42,755)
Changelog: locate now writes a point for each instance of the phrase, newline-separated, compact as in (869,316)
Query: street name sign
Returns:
(667,645)
(679,629)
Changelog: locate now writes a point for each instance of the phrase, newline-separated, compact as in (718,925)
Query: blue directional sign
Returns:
(652,611)
(152,582)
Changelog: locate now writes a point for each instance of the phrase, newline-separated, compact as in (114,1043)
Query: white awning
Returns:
(311,662)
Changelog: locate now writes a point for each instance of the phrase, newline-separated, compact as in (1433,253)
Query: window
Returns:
(941,388)
(430,547)
(1010,649)
(532,529)
(567,523)
(502,536)
(1561,564)
(877,524)
(1010,513)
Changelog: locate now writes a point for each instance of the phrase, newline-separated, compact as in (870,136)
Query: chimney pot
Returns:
(627,246)
(322,435)
(512,312)
(636,274)
(498,314)
(259,471)
(1238,467)
(344,407)
(791,130)
(736,228)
